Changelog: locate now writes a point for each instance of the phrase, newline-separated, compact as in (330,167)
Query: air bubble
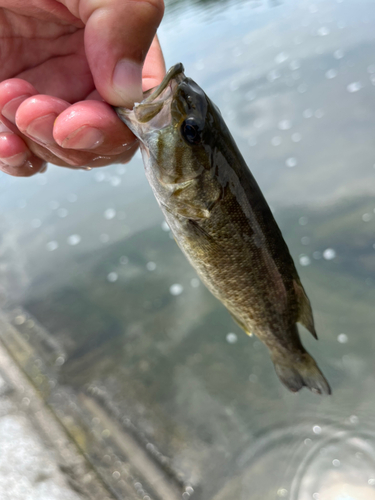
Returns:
(338,54)
(331,73)
(151,266)
(307,113)
(62,213)
(110,213)
(329,254)
(285,125)
(121,169)
(366,217)
(231,338)
(342,338)
(323,31)
(52,245)
(294,65)
(60,361)
(74,239)
(164,226)
(176,289)
(112,277)
(115,181)
(354,87)
(317,429)
(19,320)
(276,141)
(291,162)
(304,260)
(100,176)
(273,75)
(195,283)
(296,137)
(282,492)
(282,57)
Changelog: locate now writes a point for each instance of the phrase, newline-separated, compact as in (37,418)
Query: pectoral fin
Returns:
(305,316)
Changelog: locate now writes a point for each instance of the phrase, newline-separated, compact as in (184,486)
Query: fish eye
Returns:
(190,131)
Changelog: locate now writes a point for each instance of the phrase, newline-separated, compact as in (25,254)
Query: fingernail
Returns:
(127,81)
(84,138)
(10,108)
(41,129)
(15,160)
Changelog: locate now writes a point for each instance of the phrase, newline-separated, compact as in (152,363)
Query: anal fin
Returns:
(305,316)
(241,325)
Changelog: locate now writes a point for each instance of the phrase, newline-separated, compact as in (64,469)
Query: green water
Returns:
(295,82)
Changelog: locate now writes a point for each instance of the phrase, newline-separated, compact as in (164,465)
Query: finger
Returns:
(92,126)
(118,35)
(15,157)
(30,167)
(12,93)
(75,125)
(154,66)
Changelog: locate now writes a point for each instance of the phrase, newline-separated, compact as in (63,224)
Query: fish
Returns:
(222,222)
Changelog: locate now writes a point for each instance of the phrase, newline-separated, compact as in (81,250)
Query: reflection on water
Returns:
(88,255)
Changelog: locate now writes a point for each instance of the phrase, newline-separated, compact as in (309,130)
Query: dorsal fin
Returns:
(305,316)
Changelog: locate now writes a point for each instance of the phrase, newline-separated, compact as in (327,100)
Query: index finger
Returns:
(118,35)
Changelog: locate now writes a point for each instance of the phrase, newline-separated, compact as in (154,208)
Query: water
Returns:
(88,255)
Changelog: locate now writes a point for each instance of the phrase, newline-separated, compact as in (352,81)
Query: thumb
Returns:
(118,35)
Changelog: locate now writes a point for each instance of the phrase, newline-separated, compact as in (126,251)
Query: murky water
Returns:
(88,255)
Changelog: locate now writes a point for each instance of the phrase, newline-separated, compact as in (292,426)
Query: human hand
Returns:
(59,60)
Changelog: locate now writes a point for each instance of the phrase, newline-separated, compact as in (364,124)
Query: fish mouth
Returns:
(174,74)
(156,103)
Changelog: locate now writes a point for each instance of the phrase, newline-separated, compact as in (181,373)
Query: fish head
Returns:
(174,124)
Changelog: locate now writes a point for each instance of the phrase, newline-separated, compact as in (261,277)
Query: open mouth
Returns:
(154,111)
(175,74)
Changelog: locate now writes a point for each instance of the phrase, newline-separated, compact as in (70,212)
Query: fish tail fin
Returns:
(305,316)
(299,370)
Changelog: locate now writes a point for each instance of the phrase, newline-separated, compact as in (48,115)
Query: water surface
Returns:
(88,255)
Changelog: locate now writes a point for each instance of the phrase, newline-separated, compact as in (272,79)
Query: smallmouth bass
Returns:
(222,222)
